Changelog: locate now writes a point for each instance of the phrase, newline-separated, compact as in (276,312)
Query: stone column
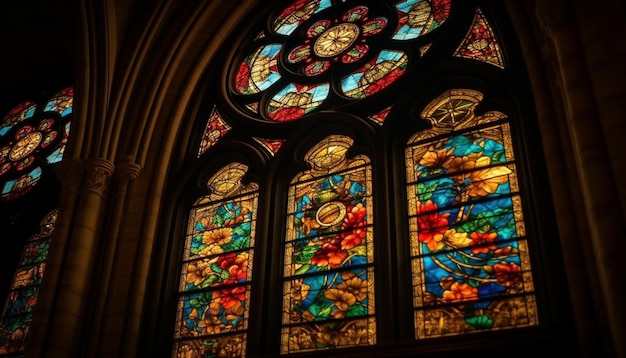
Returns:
(602,27)
(598,186)
(75,285)
(101,340)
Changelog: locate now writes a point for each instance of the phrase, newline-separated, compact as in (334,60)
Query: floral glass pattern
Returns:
(332,53)
(329,279)
(18,310)
(214,292)
(32,137)
(470,259)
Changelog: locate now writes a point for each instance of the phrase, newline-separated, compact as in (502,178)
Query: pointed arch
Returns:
(348,131)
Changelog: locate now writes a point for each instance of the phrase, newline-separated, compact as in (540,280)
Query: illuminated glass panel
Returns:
(299,53)
(336,40)
(376,75)
(316,67)
(57,155)
(16,188)
(355,49)
(296,100)
(31,138)
(214,291)
(258,71)
(298,12)
(272,145)
(374,26)
(329,279)
(62,102)
(418,17)
(354,54)
(19,113)
(480,43)
(379,118)
(471,269)
(18,309)
(215,129)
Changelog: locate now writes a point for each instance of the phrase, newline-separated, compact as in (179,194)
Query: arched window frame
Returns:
(503,89)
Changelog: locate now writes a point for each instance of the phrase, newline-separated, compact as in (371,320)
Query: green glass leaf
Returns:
(497,157)
(302,270)
(241,230)
(356,311)
(243,243)
(307,253)
(480,322)
(324,313)
(209,281)
(218,220)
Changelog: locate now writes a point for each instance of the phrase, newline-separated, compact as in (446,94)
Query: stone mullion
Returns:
(601,204)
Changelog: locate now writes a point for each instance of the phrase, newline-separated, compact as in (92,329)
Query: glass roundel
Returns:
(32,136)
(335,40)
(316,53)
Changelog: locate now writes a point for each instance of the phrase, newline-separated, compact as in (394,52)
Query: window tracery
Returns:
(32,137)
(464,238)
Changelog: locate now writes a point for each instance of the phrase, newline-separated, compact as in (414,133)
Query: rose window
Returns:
(32,137)
(319,54)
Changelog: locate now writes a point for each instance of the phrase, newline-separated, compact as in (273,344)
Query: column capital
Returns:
(127,171)
(98,173)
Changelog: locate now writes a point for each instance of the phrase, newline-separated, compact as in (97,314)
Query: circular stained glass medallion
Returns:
(25,146)
(336,40)
(330,214)
(354,48)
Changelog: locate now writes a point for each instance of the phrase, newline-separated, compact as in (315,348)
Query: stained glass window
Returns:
(214,290)
(329,279)
(413,133)
(324,40)
(470,260)
(480,43)
(215,129)
(18,309)
(272,145)
(32,137)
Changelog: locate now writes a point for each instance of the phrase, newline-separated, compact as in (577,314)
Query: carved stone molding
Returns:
(127,171)
(98,173)
(70,173)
